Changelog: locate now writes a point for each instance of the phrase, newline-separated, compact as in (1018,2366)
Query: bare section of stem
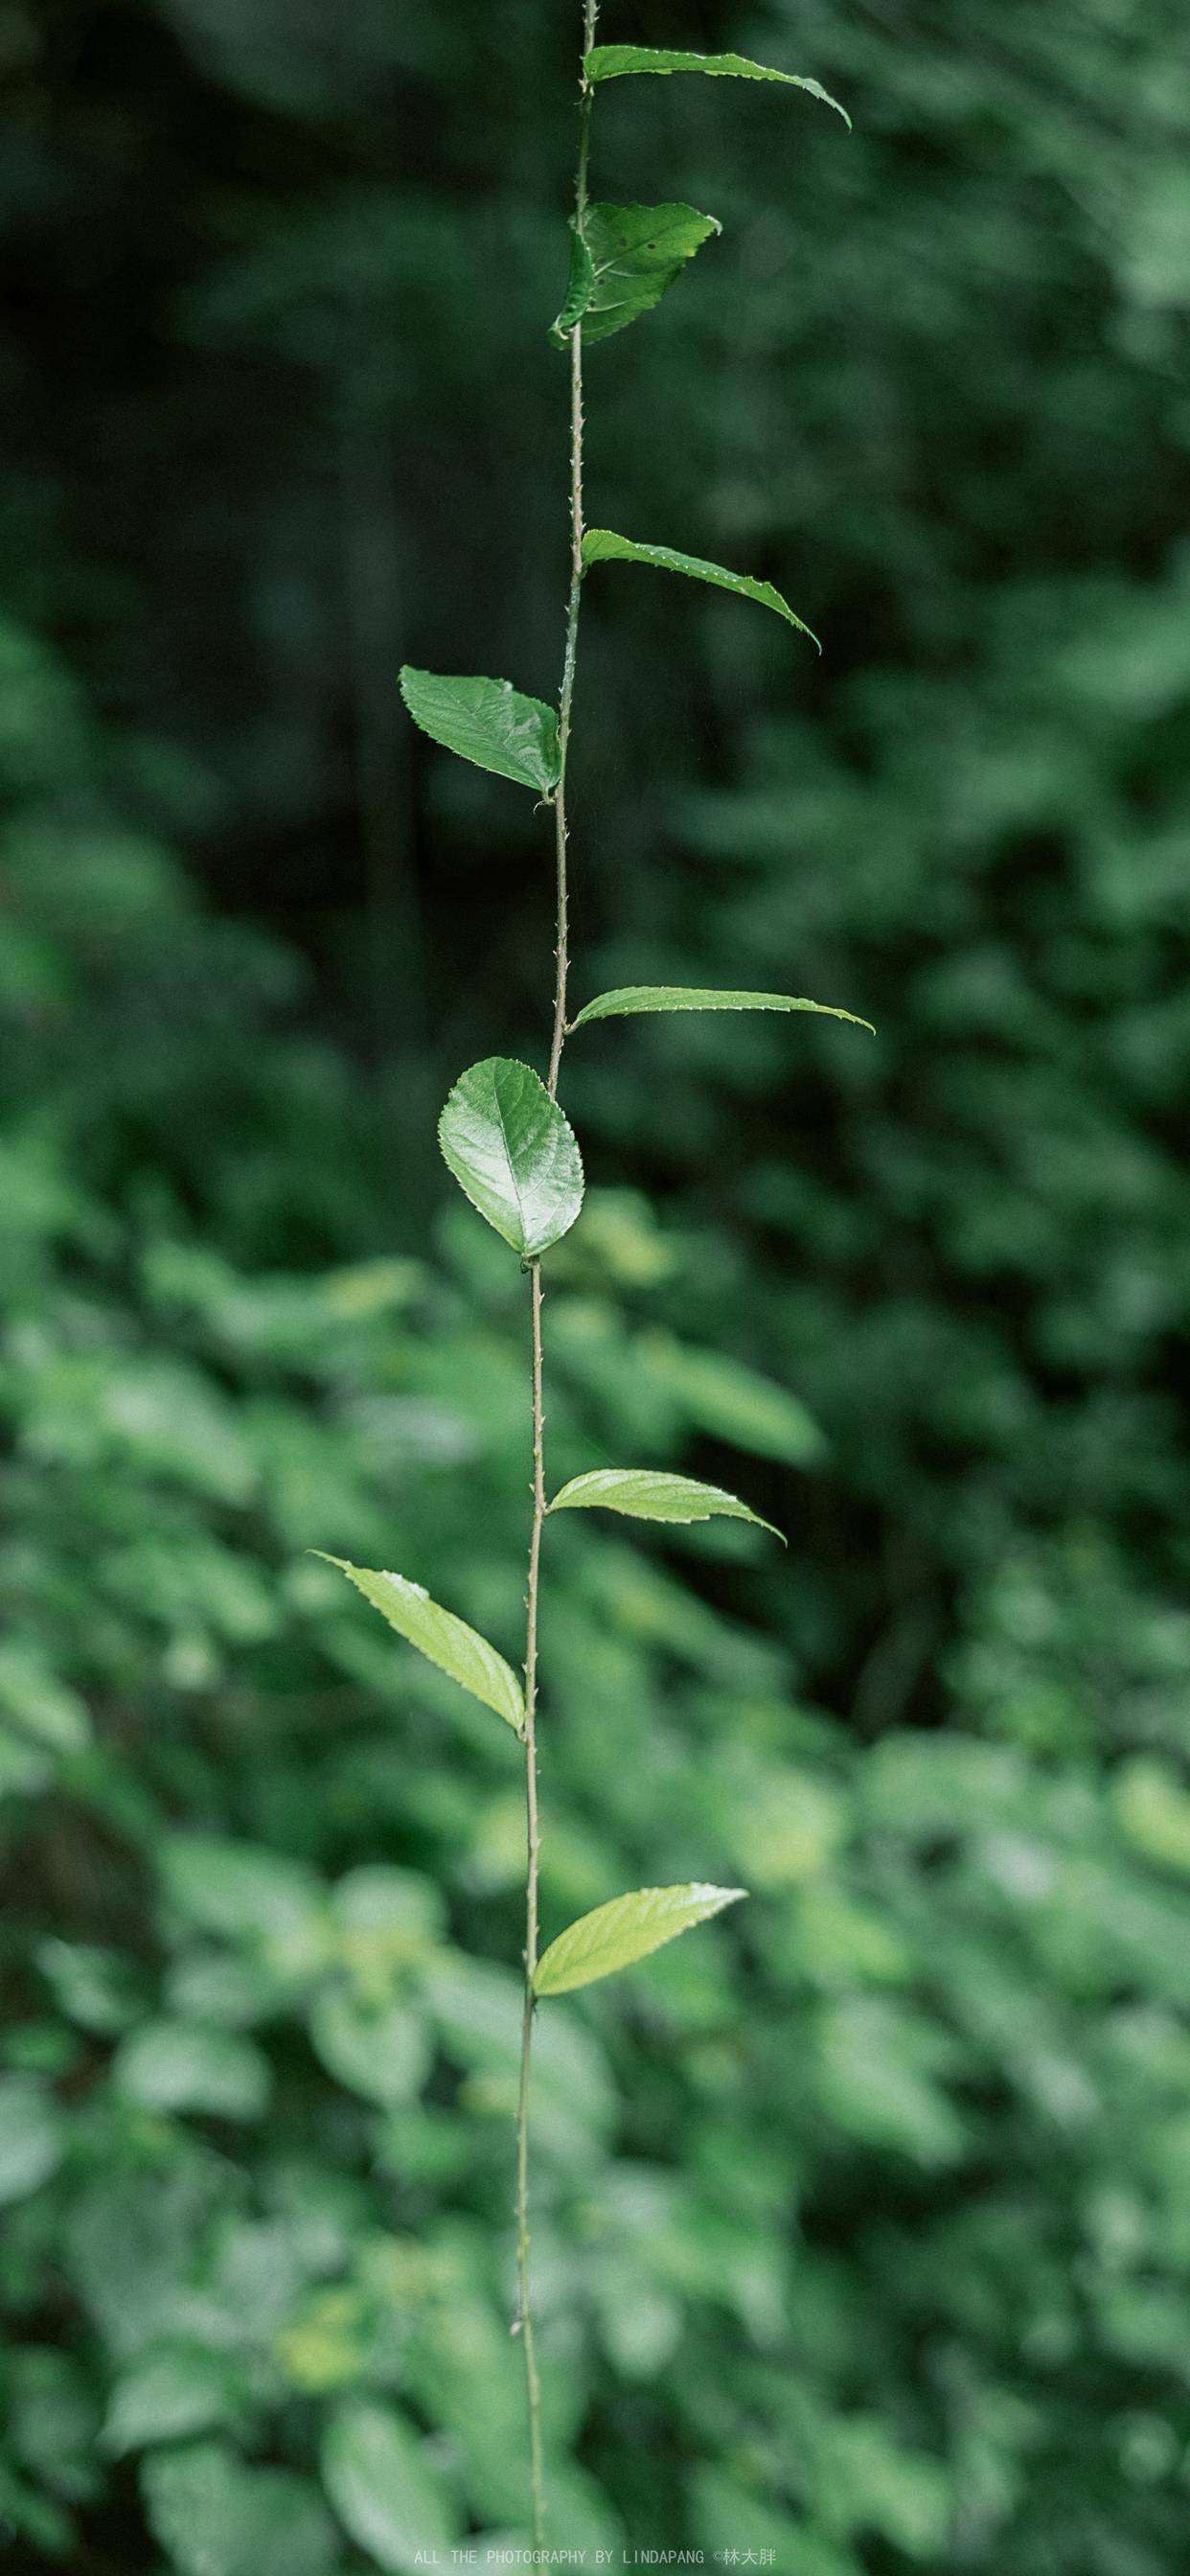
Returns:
(562,961)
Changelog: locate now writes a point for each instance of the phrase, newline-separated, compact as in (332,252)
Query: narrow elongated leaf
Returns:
(614,62)
(649,1494)
(602,545)
(489,722)
(513,1153)
(578,287)
(440,1637)
(629,998)
(633,254)
(617,1935)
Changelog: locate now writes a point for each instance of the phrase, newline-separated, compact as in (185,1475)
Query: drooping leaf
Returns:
(384,2488)
(617,1935)
(613,62)
(629,998)
(489,722)
(602,545)
(633,253)
(649,1494)
(578,287)
(720,1395)
(513,1153)
(441,1637)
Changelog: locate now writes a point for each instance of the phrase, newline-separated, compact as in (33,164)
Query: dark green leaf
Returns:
(613,62)
(441,1637)
(630,998)
(513,1153)
(602,545)
(633,254)
(617,1935)
(648,1494)
(489,722)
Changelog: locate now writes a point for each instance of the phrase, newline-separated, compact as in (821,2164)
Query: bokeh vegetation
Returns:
(862,2226)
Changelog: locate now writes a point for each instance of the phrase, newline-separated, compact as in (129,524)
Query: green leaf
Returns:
(214,2516)
(734,1403)
(244,1892)
(382,2052)
(188,2066)
(443,1639)
(614,62)
(616,1935)
(602,545)
(387,2495)
(648,1494)
(32,2136)
(172,2390)
(629,998)
(513,1153)
(632,253)
(489,722)
(578,288)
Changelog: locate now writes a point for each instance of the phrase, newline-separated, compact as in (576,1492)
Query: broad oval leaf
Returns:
(633,254)
(578,287)
(513,1153)
(650,1494)
(602,545)
(440,1637)
(617,1935)
(614,62)
(629,998)
(488,722)
(382,2483)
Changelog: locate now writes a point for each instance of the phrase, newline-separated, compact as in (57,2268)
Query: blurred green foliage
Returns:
(862,2230)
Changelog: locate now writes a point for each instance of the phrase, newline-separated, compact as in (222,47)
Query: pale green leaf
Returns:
(614,62)
(513,1153)
(719,1395)
(617,1935)
(441,1637)
(172,2390)
(630,998)
(578,287)
(602,545)
(489,722)
(170,2065)
(649,1494)
(633,253)
(384,2488)
(381,2052)
(215,2516)
(32,2136)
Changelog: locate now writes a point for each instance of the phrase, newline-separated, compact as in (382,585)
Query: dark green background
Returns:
(862,2216)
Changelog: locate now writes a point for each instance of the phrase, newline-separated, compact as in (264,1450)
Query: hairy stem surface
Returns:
(561,961)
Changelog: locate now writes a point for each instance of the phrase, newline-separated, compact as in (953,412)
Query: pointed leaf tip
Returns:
(651,1494)
(437,1634)
(513,1153)
(615,62)
(487,722)
(602,545)
(617,1935)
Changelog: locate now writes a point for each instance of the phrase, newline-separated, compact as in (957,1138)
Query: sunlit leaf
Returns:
(616,1935)
(513,1153)
(648,1494)
(624,260)
(602,545)
(385,2489)
(630,998)
(614,62)
(441,1637)
(489,722)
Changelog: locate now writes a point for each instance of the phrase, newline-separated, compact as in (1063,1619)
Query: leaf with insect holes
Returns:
(602,545)
(513,1153)
(617,1935)
(440,1637)
(632,253)
(649,1494)
(614,62)
(488,722)
(629,998)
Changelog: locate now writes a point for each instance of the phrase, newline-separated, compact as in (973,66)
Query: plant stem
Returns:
(561,961)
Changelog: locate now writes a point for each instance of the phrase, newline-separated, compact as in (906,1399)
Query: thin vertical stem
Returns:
(561,960)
